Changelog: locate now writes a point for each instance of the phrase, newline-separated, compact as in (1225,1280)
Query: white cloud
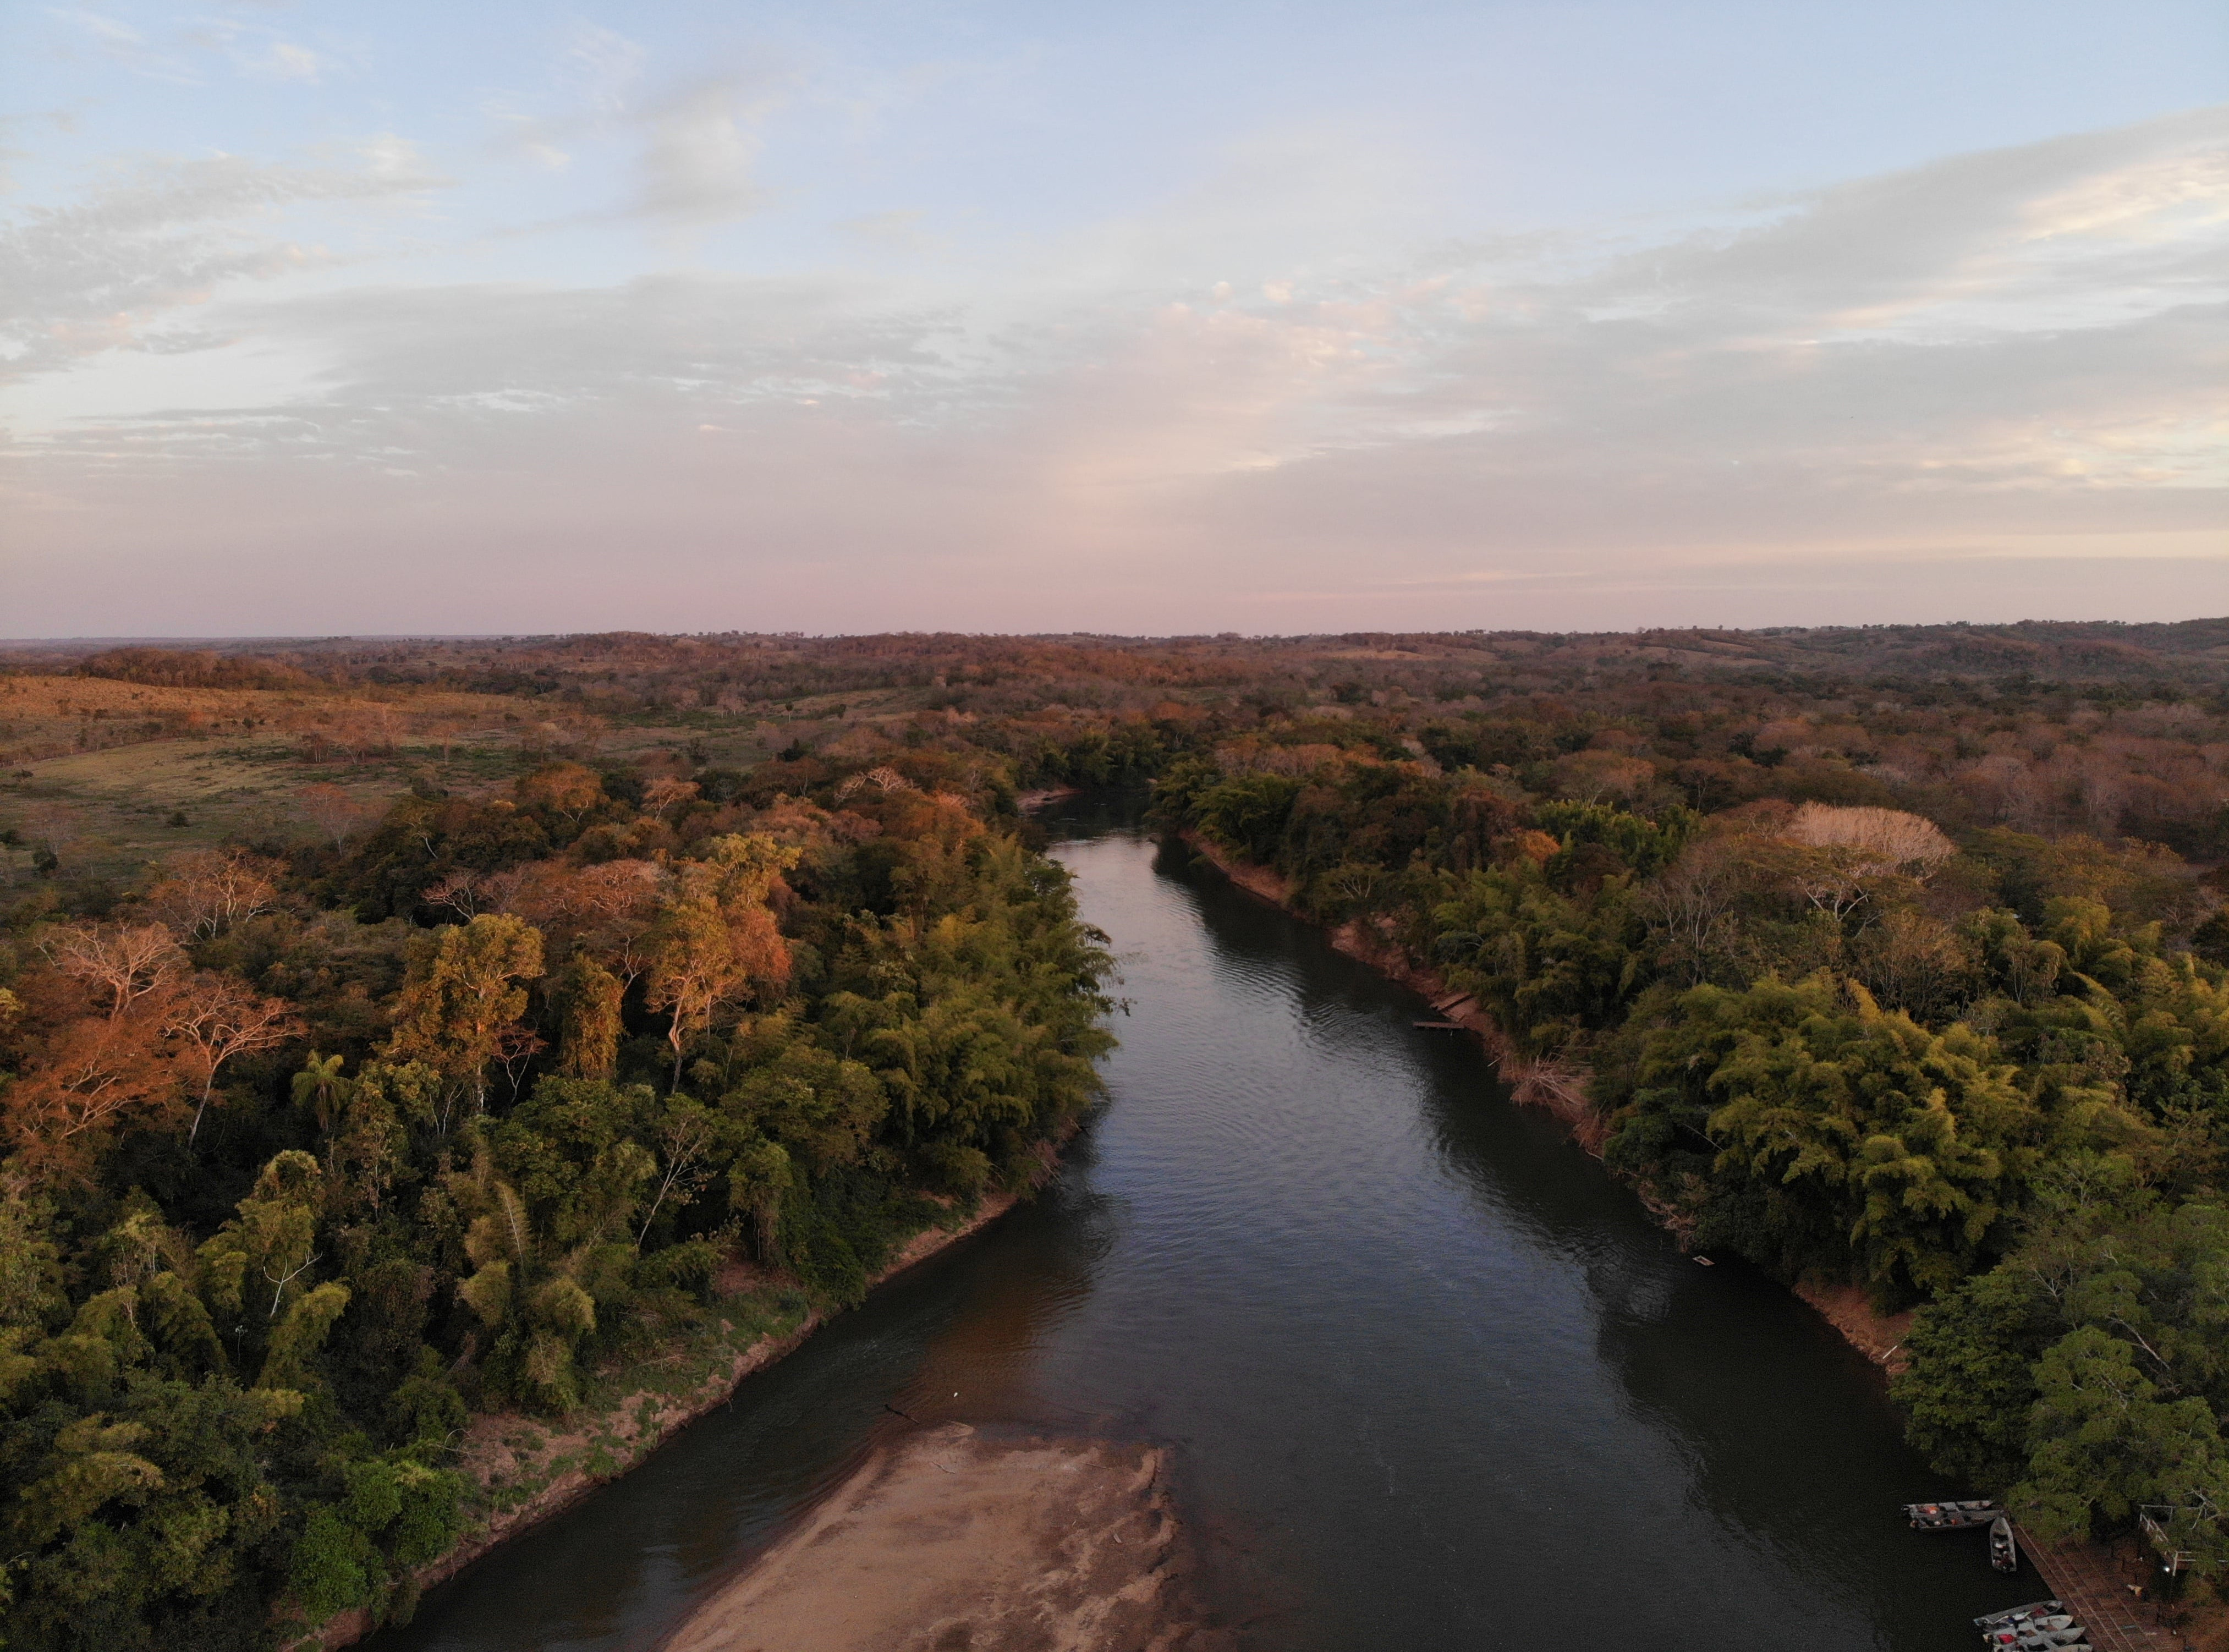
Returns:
(106,30)
(127,46)
(696,146)
(284,61)
(157,236)
(601,67)
(698,158)
(1898,371)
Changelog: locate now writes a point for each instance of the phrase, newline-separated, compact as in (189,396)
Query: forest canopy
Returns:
(398,1037)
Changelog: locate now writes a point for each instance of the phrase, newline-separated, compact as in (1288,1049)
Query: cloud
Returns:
(601,67)
(896,232)
(697,145)
(1988,243)
(2005,362)
(703,340)
(123,45)
(284,61)
(158,235)
(698,157)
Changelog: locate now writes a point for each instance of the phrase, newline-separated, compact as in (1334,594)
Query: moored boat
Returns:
(2039,1626)
(2011,1639)
(2004,1551)
(1951,1516)
(2029,1613)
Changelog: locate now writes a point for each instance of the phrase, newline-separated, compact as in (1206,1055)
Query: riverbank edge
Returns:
(613,1442)
(1558,1087)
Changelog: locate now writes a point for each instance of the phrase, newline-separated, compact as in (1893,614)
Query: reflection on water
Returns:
(1432,1379)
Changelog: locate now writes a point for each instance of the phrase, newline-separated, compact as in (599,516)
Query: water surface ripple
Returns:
(1434,1380)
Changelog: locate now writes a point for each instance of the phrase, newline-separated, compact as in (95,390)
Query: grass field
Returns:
(112,812)
(115,776)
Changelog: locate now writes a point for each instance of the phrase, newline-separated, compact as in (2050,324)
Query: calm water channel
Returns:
(1433,1380)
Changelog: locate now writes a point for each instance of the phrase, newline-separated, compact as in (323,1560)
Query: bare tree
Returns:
(217,1017)
(686,1134)
(1591,776)
(883,779)
(458,890)
(445,732)
(332,810)
(1694,899)
(209,891)
(606,908)
(1831,876)
(468,893)
(666,793)
(126,963)
(95,1076)
(1910,961)
(514,1047)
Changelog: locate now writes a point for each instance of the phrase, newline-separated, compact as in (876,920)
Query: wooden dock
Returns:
(2084,1576)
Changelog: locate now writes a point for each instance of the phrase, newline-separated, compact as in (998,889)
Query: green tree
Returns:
(460,1006)
(254,1268)
(536,1294)
(2104,1439)
(1971,1383)
(590,996)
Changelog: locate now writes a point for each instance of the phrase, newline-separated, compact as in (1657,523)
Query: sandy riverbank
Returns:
(951,1542)
(523,1472)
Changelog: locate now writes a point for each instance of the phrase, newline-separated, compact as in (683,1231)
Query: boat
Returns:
(1950,1517)
(2029,1613)
(2010,1639)
(2039,1626)
(2004,1553)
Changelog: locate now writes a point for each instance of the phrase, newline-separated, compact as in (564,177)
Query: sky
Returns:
(1275,317)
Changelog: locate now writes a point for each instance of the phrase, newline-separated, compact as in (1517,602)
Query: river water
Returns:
(1430,1378)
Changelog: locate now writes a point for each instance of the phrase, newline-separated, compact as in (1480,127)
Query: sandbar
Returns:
(949,1541)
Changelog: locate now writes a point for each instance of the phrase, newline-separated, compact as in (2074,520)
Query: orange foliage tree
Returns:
(94,1077)
(715,944)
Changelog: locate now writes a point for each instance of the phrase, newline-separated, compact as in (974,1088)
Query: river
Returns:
(1431,1378)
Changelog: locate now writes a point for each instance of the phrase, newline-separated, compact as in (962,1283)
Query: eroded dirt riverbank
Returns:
(1559,1088)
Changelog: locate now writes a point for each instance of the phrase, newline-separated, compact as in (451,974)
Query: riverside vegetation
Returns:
(314,1156)
(1893,957)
